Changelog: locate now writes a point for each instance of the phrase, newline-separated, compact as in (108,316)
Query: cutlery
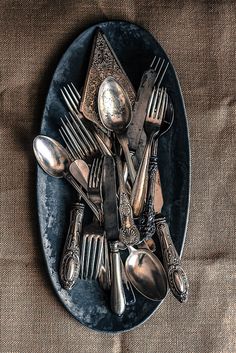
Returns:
(146,273)
(151,77)
(155,115)
(111,226)
(115,113)
(70,262)
(177,278)
(54,160)
(79,169)
(130,298)
(72,99)
(103,62)
(93,244)
(129,233)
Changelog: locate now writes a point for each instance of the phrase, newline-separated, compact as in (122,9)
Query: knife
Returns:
(111,225)
(155,221)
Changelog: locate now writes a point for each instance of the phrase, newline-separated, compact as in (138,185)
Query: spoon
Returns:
(116,113)
(79,169)
(146,273)
(54,160)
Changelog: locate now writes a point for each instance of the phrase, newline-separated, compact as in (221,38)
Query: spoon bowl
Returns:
(146,273)
(114,106)
(51,156)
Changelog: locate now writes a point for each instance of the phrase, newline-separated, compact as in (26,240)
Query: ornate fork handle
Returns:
(129,233)
(177,278)
(70,262)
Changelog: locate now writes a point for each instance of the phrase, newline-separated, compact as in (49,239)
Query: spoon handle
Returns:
(123,140)
(177,278)
(92,206)
(70,262)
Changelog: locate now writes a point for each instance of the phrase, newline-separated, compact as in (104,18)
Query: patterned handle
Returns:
(70,262)
(177,278)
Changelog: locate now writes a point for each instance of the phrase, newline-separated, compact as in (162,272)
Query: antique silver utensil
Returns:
(111,226)
(129,234)
(54,160)
(93,244)
(153,76)
(79,169)
(115,113)
(72,99)
(103,62)
(155,116)
(146,273)
(70,261)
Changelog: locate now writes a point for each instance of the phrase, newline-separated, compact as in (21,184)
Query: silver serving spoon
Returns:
(116,113)
(54,160)
(146,273)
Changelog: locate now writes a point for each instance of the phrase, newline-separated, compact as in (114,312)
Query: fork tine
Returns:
(156,66)
(69,102)
(91,174)
(153,61)
(76,92)
(78,136)
(156,113)
(76,100)
(99,172)
(69,148)
(88,247)
(73,138)
(162,75)
(150,103)
(67,138)
(99,256)
(93,256)
(80,128)
(154,103)
(162,106)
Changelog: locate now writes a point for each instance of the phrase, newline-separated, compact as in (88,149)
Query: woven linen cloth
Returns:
(199,37)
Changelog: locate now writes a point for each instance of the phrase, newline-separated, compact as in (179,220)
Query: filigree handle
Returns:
(70,262)
(177,278)
(147,220)
(129,233)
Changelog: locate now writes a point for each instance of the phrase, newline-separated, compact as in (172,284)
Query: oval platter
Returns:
(135,48)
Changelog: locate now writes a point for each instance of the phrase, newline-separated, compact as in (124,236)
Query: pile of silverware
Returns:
(111,159)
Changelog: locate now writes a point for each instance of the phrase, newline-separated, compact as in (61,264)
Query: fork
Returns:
(93,244)
(78,139)
(72,99)
(154,117)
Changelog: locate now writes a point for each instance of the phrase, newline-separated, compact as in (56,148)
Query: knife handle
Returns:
(177,278)
(117,300)
(70,262)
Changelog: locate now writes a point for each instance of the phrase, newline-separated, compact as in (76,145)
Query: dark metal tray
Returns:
(135,49)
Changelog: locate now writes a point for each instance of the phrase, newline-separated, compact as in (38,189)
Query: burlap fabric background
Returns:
(199,37)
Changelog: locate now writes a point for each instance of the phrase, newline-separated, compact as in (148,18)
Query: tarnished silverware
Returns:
(111,226)
(155,115)
(152,77)
(55,160)
(130,298)
(70,261)
(146,273)
(72,99)
(129,234)
(93,244)
(91,254)
(115,113)
(103,62)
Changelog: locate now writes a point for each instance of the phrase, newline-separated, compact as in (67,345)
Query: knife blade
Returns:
(111,225)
